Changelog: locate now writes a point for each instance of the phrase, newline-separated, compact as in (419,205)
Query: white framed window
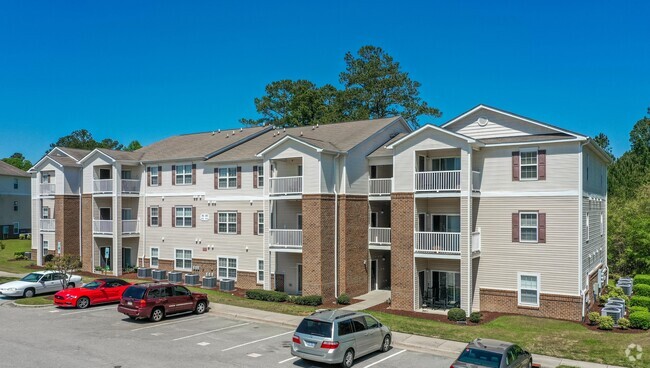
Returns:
(602,224)
(16,228)
(528,227)
(46,212)
(153,254)
(15,183)
(445,223)
(445,163)
(228,177)
(183,259)
(588,227)
(183,216)
(155,176)
(183,174)
(154,217)
(260,223)
(260,271)
(15,206)
(227,268)
(528,285)
(528,164)
(260,176)
(227,223)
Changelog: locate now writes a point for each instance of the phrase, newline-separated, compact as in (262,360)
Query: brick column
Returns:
(318,246)
(87,232)
(353,245)
(402,228)
(66,214)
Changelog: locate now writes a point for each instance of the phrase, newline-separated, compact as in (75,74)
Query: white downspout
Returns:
(580,227)
(80,214)
(469,232)
(336,227)
(146,214)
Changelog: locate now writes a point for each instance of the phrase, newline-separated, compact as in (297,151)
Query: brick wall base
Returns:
(318,246)
(353,245)
(247,280)
(87,233)
(402,276)
(66,213)
(550,305)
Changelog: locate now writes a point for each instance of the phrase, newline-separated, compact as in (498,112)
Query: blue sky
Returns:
(150,69)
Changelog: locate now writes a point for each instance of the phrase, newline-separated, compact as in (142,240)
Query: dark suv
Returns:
(155,301)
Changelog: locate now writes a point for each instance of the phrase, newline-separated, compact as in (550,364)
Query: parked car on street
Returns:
(485,353)
(157,300)
(99,291)
(339,336)
(39,282)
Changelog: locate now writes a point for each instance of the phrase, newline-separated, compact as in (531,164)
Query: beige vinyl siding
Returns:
(594,172)
(91,171)
(311,170)
(595,249)
(286,214)
(328,172)
(72,180)
(498,125)
(501,259)
(443,206)
(287,264)
(495,165)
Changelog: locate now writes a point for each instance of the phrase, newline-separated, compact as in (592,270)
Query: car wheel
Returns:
(157,315)
(385,345)
(200,307)
(28,293)
(83,303)
(70,285)
(348,359)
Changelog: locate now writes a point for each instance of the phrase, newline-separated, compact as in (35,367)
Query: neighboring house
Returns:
(15,211)
(491,211)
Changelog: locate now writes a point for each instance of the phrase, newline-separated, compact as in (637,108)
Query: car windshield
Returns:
(480,357)
(92,285)
(32,277)
(134,292)
(316,328)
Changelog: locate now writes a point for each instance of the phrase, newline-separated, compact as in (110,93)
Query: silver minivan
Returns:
(339,336)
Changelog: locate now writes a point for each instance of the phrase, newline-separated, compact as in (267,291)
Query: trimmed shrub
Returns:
(22,236)
(475,317)
(642,301)
(606,323)
(641,289)
(617,292)
(313,300)
(638,308)
(456,314)
(594,318)
(642,279)
(267,295)
(623,323)
(19,255)
(49,258)
(343,299)
(640,320)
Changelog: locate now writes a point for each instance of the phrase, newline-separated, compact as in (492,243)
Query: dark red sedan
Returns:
(99,291)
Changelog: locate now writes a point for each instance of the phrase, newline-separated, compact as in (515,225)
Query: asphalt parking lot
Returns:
(101,337)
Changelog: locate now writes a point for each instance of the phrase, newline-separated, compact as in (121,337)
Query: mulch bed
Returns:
(385,308)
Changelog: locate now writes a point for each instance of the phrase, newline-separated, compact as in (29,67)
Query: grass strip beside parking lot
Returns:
(7,258)
(544,336)
(7,279)
(37,300)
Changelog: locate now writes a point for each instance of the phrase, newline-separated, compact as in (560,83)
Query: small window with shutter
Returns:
(227,223)
(528,227)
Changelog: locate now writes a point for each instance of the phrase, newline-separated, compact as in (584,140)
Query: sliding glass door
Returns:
(446,288)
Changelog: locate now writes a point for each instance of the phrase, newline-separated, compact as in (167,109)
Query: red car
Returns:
(99,291)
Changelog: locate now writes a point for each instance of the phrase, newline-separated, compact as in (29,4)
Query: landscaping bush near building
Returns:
(475,317)
(313,300)
(642,301)
(623,323)
(638,308)
(641,289)
(640,320)
(642,279)
(343,299)
(267,295)
(456,314)
(594,318)
(614,292)
(19,255)
(606,323)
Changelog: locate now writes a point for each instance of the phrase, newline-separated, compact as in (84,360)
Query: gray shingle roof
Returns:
(9,170)
(75,152)
(383,151)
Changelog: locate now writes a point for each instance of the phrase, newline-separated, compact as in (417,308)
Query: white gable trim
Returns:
(292,138)
(93,153)
(34,168)
(435,128)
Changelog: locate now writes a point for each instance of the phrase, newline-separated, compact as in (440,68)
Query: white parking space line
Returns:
(167,323)
(203,343)
(386,358)
(253,342)
(88,311)
(288,360)
(254,355)
(55,311)
(211,331)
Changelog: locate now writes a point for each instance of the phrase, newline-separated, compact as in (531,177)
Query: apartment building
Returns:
(15,215)
(491,211)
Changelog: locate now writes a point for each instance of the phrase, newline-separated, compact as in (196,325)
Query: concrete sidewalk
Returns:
(432,345)
(9,274)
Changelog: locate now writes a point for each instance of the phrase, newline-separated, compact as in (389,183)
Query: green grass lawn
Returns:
(37,300)
(538,335)
(7,262)
(7,279)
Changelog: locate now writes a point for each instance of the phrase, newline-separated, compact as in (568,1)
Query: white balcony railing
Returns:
(130,227)
(476,181)
(48,189)
(437,181)
(285,238)
(476,242)
(380,186)
(286,185)
(103,186)
(443,243)
(379,235)
(48,225)
(131,186)
(103,226)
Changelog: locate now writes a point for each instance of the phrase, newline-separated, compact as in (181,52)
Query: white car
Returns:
(38,283)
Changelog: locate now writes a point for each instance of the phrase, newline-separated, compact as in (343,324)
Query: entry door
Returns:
(373,275)
(299,220)
(422,286)
(105,256)
(279,282)
(422,221)
(373,219)
(300,278)
(45,248)
(421,164)
(105,213)
(126,258)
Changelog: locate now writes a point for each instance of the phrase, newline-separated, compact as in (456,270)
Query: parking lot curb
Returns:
(28,306)
(215,309)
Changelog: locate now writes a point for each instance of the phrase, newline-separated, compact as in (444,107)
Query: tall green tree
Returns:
(19,161)
(83,139)
(603,141)
(134,145)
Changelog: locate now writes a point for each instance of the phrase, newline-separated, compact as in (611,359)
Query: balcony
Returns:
(285,185)
(130,227)
(437,181)
(437,243)
(130,186)
(103,186)
(379,236)
(48,189)
(380,187)
(103,227)
(290,239)
(48,225)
